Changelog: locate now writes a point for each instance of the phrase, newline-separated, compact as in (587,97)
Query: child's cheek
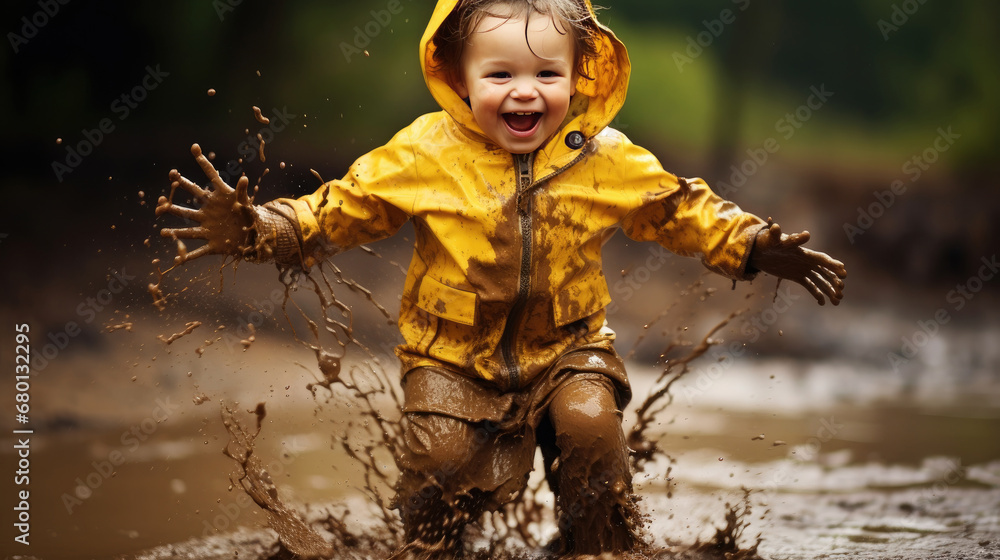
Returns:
(491,91)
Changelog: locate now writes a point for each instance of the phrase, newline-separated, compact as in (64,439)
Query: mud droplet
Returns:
(260,118)
(159,300)
(189,328)
(58,141)
(757,437)
(246,342)
(211,92)
(329,365)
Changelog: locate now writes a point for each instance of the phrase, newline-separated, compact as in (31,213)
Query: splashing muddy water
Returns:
(521,529)
(294,535)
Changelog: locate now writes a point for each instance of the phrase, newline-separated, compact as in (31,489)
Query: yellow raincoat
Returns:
(506,275)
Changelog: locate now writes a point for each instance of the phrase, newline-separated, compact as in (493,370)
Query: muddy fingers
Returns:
(835,283)
(164,206)
(797,239)
(179,180)
(810,285)
(209,170)
(241,191)
(184,233)
(189,255)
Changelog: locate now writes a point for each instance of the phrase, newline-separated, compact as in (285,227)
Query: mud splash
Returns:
(644,448)
(727,542)
(522,529)
(188,329)
(365,387)
(294,535)
(369,441)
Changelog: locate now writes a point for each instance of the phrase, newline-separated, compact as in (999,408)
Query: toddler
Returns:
(512,190)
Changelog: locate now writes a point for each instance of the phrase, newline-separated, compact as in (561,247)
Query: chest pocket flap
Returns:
(581,299)
(447,302)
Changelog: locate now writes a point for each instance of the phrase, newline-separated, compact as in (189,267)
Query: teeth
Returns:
(524,114)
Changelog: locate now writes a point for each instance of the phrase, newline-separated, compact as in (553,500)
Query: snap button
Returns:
(575,140)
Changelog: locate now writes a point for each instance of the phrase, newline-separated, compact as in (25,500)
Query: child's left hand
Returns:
(783,256)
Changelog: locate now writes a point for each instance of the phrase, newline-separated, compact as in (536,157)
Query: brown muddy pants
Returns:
(469,448)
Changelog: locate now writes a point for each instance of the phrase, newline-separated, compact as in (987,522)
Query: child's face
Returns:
(518,97)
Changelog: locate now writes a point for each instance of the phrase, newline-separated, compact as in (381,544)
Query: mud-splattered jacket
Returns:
(506,274)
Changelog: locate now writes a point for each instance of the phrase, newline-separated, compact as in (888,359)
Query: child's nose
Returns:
(524,89)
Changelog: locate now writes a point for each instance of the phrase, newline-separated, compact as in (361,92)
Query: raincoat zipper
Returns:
(523,163)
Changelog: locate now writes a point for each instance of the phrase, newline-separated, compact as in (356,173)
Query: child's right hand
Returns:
(225,218)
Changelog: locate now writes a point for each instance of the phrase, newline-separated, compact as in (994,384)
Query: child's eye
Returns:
(548,74)
(499,75)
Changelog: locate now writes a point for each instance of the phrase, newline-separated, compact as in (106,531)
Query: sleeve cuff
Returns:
(749,271)
(277,236)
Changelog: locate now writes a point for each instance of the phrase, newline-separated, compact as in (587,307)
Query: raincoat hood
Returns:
(597,100)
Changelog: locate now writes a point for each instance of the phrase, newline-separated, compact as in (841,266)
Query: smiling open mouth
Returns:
(522,122)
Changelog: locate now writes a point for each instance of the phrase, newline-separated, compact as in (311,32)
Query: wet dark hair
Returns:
(570,16)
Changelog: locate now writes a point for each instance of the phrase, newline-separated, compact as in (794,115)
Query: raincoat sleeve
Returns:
(686,217)
(371,202)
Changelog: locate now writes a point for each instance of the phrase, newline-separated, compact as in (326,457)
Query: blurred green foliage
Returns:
(894,86)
